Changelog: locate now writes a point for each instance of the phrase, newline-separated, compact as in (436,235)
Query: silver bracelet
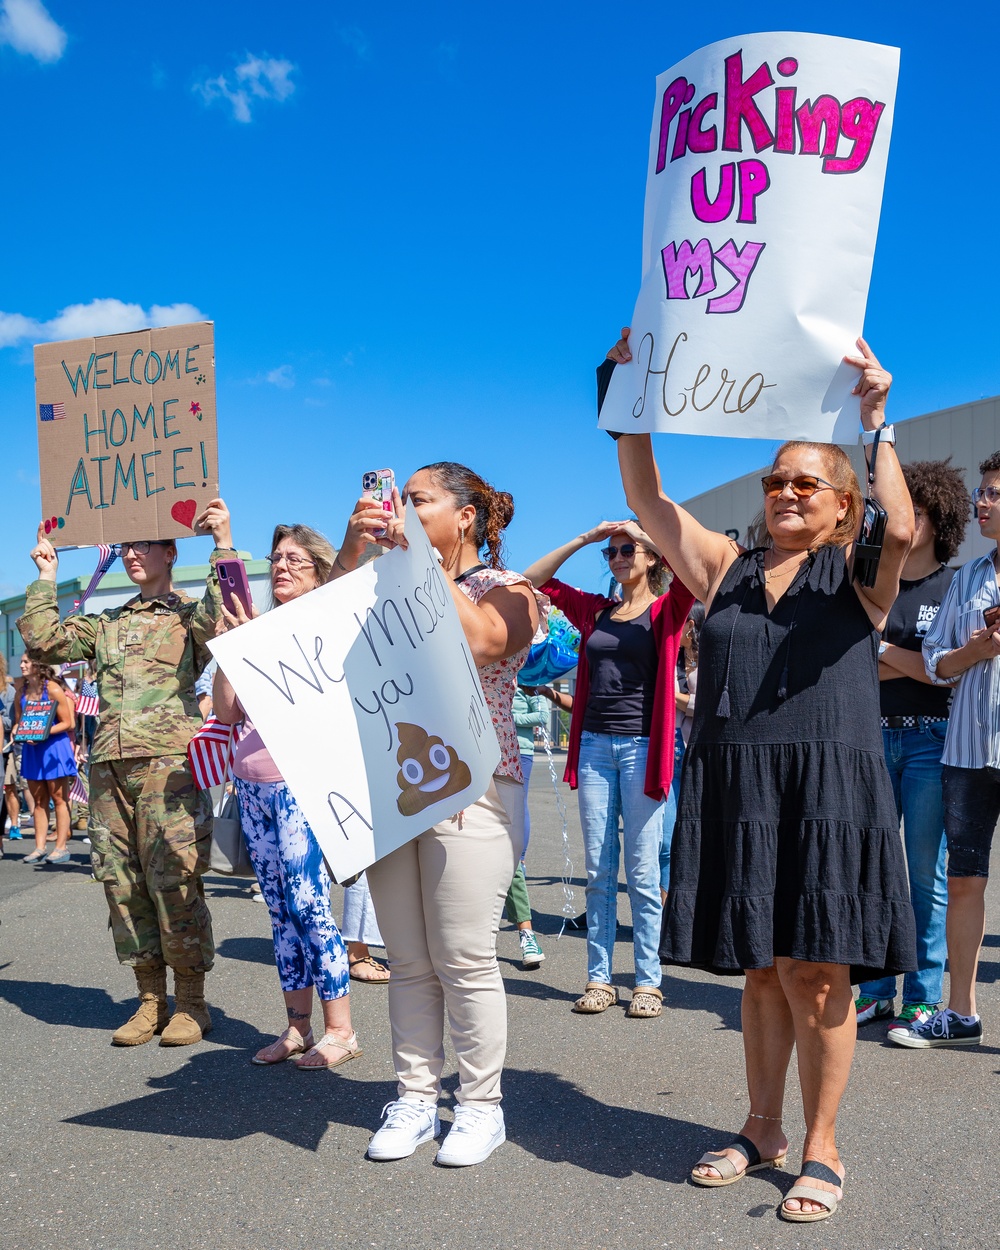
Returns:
(752,1115)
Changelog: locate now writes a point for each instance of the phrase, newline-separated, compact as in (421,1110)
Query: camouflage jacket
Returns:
(148,656)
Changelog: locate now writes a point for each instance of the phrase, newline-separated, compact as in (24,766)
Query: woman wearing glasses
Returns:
(308,947)
(621,747)
(150,826)
(787,862)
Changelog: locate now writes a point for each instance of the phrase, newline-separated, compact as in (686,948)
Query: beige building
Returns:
(967,433)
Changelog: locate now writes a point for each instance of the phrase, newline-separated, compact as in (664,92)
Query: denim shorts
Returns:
(971,810)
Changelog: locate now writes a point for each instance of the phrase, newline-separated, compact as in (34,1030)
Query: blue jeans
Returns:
(913,757)
(611,776)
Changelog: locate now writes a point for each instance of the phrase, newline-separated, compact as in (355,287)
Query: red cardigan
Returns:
(668,615)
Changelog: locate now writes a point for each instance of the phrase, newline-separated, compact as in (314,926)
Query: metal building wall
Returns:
(967,433)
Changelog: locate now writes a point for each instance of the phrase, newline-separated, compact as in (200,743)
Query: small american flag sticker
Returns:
(51,412)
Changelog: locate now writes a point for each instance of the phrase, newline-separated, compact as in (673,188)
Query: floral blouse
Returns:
(499,679)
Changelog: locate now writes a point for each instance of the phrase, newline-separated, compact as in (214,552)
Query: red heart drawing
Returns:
(183,511)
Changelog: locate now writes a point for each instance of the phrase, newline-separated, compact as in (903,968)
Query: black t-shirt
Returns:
(909,620)
(623,660)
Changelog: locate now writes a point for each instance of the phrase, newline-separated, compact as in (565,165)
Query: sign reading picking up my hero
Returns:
(127,443)
(367,697)
(766,164)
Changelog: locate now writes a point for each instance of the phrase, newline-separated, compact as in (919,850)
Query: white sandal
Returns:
(350,1050)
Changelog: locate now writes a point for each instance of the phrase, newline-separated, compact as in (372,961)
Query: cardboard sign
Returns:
(127,443)
(367,697)
(766,164)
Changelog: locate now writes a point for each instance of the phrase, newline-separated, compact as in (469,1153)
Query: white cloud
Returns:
(256,78)
(100,316)
(28,28)
(283,377)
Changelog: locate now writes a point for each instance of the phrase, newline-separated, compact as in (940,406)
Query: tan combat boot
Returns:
(190,1020)
(152,1016)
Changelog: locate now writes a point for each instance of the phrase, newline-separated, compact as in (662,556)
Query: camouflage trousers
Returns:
(150,831)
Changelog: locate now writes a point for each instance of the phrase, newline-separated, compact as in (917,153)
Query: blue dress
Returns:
(787,839)
(48,760)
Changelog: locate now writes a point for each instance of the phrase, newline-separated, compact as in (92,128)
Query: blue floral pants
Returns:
(308,948)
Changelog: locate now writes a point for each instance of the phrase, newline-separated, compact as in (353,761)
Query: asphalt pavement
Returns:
(185,1149)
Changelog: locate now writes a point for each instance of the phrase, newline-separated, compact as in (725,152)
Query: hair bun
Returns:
(503,503)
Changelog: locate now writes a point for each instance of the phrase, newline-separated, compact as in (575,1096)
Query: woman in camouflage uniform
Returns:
(150,825)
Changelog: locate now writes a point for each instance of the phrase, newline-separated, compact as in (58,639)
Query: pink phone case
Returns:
(378,484)
(234,585)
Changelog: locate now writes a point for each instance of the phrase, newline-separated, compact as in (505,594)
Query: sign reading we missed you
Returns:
(127,443)
(366,694)
(767,159)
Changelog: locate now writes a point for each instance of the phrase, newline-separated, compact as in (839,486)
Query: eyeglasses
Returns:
(986,494)
(140,548)
(803,487)
(291,561)
(628,550)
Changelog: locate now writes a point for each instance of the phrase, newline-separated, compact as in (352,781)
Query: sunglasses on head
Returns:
(803,486)
(628,550)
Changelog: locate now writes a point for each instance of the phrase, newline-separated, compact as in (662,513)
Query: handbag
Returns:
(35,723)
(229,854)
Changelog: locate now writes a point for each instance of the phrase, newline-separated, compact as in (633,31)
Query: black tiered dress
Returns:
(787,840)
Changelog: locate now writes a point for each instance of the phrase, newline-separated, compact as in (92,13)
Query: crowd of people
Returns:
(749,729)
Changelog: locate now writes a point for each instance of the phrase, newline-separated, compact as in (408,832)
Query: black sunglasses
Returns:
(628,550)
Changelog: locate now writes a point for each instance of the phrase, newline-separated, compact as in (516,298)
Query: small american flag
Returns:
(109,554)
(210,753)
(78,790)
(51,412)
(88,703)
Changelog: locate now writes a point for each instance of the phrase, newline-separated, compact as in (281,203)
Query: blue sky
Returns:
(418,229)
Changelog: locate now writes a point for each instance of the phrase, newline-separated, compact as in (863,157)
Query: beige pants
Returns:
(438,900)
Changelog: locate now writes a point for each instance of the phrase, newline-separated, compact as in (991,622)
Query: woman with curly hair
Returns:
(914,724)
(438,898)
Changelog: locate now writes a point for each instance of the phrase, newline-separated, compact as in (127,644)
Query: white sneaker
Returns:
(474,1136)
(407,1126)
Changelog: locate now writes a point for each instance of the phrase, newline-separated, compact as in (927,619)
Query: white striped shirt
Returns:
(973,739)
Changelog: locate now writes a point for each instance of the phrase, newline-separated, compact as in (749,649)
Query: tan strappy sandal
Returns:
(299,1045)
(348,1050)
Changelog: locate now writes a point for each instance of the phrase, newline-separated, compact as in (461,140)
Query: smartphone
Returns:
(868,548)
(991,616)
(378,485)
(234,585)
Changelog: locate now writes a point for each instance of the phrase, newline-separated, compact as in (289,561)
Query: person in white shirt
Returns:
(962,649)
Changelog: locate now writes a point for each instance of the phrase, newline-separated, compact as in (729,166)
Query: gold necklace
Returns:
(770,576)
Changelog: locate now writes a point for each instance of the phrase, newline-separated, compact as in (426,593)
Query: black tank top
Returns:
(623,660)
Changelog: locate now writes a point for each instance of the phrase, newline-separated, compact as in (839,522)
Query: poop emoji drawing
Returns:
(428,770)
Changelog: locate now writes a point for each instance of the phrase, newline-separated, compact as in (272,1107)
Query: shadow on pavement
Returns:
(219,1096)
(251,950)
(52,1002)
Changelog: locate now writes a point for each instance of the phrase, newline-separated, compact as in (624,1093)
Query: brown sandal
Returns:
(382,979)
(596,997)
(647,1001)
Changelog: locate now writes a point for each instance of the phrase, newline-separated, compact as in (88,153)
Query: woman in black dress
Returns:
(786,857)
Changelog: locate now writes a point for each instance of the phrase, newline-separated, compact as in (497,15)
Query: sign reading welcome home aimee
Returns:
(127,443)
(767,159)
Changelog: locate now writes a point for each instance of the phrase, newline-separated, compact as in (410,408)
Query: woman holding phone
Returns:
(439,897)
(309,950)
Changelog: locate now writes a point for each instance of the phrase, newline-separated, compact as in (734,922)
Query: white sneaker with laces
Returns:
(407,1125)
(473,1137)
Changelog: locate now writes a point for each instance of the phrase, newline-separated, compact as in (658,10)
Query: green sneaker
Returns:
(531,952)
(911,1015)
(870,1009)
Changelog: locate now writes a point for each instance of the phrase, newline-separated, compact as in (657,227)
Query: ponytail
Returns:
(494,508)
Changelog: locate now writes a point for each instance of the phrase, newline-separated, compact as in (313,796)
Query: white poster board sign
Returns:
(366,694)
(767,159)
